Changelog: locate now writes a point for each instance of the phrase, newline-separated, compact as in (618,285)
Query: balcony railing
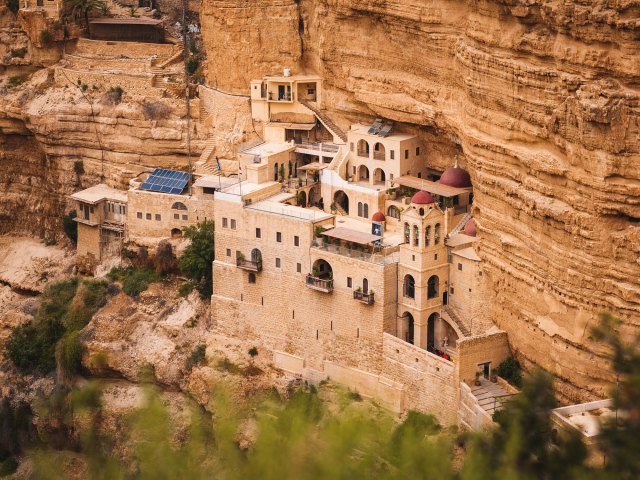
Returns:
(320,284)
(380,257)
(363,153)
(325,147)
(378,155)
(249,265)
(367,298)
(299,182)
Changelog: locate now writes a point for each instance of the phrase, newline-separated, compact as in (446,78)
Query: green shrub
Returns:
(13,6)
(197,258)
(19,52)
(45,37)
(70,226)
(227,365)
(511,371)
(185,289)
(31,347)
(69,353)
(78,167)
(197,356)
(8,467)
(16,80)
(192,65)
(137,281)
(253,352)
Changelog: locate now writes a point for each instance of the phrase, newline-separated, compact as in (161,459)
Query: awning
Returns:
(354,236)
(293,126)
(314,166)
(98,193)
(429,186)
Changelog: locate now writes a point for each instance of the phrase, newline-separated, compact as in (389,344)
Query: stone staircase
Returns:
(341,210)
(458,228)
(451,313)
(324,119)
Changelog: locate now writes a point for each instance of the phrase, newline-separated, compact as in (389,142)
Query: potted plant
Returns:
(359,289)
(371,293)
(494,378)
(477,382)
(240,256)
(315,272)
(333,207)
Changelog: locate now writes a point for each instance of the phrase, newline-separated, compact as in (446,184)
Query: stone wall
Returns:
(473,351)
(429,381)
(471,415)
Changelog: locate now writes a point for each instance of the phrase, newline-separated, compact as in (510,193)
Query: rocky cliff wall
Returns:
(540,102)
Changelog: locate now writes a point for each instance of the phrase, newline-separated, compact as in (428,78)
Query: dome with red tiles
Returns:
(470,228)
(378,217)
(422,198)
(456,177)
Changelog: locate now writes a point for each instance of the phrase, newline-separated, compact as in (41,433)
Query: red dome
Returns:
(470,228)
(456,177)
(378,217)
(422,198)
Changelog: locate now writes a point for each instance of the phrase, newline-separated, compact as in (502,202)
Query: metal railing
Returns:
(321,284)
(299,182)
(367,298)
(380,258)
(250,265)
(325,147)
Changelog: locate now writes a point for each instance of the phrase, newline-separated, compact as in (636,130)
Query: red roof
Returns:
(470,228)
(422,198)
(456,177)
(378,217)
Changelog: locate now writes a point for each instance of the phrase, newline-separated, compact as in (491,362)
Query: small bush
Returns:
(69,353)
(16,80)
(70,226)
(197,356)
(196,259)
(78,167)
(45,37)
(113,96)
(227,365)
(137,281)
(511,371)
(19,52)
(155,110)
(165,261)
(192,65)
(185,289)
(253,352)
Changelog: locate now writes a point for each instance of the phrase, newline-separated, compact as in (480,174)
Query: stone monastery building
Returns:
(343,254)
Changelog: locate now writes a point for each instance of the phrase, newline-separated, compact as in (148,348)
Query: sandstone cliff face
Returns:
(540,102)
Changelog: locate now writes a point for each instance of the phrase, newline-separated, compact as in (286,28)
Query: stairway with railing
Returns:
(458,228)
(324,119)
(451,313)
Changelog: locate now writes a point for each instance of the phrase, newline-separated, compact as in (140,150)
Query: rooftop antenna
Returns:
(185,50)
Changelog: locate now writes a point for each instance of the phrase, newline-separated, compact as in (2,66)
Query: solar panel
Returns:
(166,181)
(385,130)
(373,130)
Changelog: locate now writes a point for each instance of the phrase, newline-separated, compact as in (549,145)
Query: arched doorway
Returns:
(363,148)
(409,286)
(256,256)
(314,196)
(302,198)
(393,212)
(342,200)
(433,286)
(176,233)
(365,285)
(379,176)
(378,151)
(363,173)
(407,328)
(431,331)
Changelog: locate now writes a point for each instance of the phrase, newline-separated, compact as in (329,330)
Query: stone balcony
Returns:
(366,298)
(320,284)
(249,265)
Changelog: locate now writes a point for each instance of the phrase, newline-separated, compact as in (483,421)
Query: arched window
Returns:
(409,287)
(359,209)
(393,212)
(433,286)
(407,233)
(366,210)
(256,256)
(179,206)
(363,148)
(275,172)
(436,234)
(427,236)
(416,235)
(176,233)
(378,151)
(365,285)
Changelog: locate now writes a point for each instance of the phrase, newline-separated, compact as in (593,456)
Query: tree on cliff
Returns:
(83,8)
(196,261)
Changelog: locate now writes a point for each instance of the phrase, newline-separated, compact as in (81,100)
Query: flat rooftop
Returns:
(245,188)
(460,239)
(215,181)
(429,186)
(271,148)
(363,130)
(293,78)
(272,205)
(98,193)
(587,418)
(388,238)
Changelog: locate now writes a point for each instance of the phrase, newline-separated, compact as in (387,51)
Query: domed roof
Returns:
(456,177)
(378,217)
(470,228)
(422,198)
